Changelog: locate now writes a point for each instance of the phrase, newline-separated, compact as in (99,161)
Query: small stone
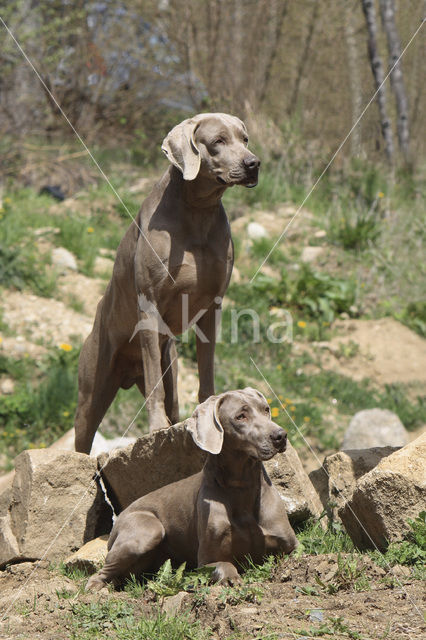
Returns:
(320,233)
(256,231)
(316,615)
(90,557)
(7,386)
(173,605)
(309,254)
(64,260)
(401,571)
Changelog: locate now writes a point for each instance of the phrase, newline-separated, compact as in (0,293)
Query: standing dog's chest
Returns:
(201,270)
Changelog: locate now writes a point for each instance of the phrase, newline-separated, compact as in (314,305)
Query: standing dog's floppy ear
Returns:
(205,427)
(180,148)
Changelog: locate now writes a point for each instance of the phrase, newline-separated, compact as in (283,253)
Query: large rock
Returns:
(9,550)
(336,480)
(157,459)
(387,496)
(169,455)
(56,505)
(293,485)
(375,428)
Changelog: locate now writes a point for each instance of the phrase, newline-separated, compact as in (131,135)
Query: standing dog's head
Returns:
(213,145)
(239,420)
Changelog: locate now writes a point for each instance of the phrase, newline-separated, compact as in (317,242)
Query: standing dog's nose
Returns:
(252,162)
(279,438)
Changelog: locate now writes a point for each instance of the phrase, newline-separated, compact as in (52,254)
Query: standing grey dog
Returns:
(172,269)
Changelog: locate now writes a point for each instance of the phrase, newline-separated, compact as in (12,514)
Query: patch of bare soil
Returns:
(384,350)
(39,321)
(78,288)
(305,597)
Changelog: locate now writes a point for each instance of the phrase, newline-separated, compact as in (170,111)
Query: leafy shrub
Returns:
(414,316)
(356,229)
(411,551)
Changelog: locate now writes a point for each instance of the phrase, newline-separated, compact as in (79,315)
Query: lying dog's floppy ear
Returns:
(180,148)
(255,393)
(205,427)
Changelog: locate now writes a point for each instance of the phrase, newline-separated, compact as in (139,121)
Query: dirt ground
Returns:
(38,603)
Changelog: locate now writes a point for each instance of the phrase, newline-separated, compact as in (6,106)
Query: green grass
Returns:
(42,407)
(314,540)
(119,620)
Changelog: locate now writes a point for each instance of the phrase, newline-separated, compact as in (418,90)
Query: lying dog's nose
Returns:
(251,162)
(279,438)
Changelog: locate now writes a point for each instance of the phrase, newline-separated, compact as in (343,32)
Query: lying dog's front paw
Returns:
(225,573)
(95,583)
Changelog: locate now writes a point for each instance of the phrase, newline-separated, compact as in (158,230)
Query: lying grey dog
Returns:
(218,516)
(172,267)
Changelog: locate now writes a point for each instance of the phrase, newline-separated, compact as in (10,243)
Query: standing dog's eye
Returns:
(267,409)
(245,140)
(240,416)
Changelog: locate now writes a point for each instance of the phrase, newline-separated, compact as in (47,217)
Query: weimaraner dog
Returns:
(216,517)
(172,269)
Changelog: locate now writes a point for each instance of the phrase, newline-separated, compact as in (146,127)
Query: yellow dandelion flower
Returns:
(381,194)
(280,397)
(269,400)
(65,346)
(90,229)
(283,404)
(325,324)
(306,419)
(1,339)
(301,324)
(293,408)
(65,414)
(279,367)
(275,412)
(7,200)
(287,401)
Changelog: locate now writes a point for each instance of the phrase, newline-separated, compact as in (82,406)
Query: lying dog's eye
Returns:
(219,141)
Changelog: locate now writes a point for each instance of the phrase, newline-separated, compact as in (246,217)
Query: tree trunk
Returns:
(354,75)
(377,69)
(303,59)
(387,11)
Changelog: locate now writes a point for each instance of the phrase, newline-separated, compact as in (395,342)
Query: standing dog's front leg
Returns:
(206,342)
(153,379)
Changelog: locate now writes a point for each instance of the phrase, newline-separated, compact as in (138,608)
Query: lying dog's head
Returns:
(213,145)
(240,419)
